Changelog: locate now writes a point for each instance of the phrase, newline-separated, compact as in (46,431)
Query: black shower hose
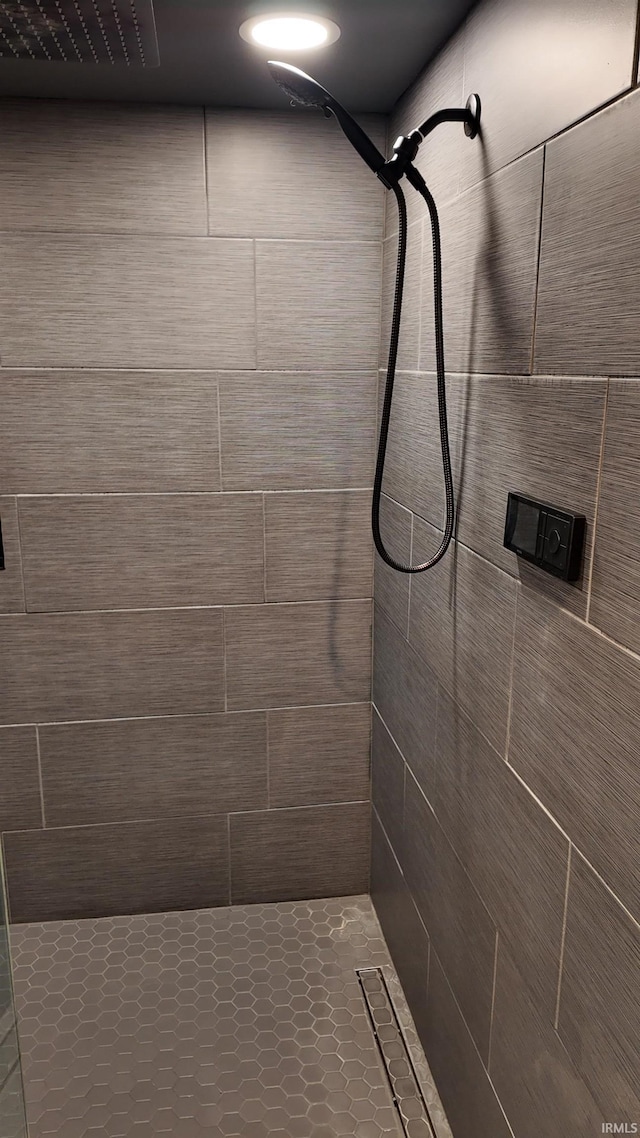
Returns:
(419,184)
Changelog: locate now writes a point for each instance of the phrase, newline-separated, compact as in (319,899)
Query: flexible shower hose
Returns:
(419,184)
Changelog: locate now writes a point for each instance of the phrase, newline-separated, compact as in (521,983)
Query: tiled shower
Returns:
(206,769)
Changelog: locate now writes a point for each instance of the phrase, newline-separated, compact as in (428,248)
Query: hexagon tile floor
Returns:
(244,1022)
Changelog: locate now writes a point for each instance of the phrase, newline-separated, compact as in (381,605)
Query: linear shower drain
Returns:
(406,1092)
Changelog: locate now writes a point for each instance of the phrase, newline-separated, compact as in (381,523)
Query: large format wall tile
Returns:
(314,851)
(318,304)
(599,1000)
(534,1076)
(20,806)
(458,924)
(88,431)
(133,867)
(319,754)
(409,342)
(615,586)
(587,315)
(147,551)
(301,431)
(490,258)
(575,737)
(513,852)
(470,1102)
(318,545)
(540,67)
(153,768)
(387,782)
(102,167)
(405,694)
(290,174)
(110,665)
(403,930)
(391,588)
(109,301)
(461,621)
(11,584)
(267,668)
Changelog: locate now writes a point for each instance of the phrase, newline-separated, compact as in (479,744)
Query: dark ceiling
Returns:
(383,46)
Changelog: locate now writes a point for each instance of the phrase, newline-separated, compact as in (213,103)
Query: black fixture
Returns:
(301,88)
(550,538)
(2,565)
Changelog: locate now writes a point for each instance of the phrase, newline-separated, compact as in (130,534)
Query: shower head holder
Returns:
(406,147)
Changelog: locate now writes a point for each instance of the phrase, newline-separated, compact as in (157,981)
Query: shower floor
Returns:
(245,1022)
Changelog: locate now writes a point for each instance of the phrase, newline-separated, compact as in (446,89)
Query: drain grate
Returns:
(405,1087)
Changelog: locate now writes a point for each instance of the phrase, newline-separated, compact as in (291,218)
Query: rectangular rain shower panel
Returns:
(79,31)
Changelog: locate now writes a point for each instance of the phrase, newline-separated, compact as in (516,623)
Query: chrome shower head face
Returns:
(299,86)
(309,93)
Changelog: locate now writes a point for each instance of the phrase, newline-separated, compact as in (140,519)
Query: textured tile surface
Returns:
(102,167)
(531,1070)
(135,867)
(490,251)
(20,798)
(266,668)
(405,694)
(404,932)
(319,754)
(109,301)
(142,551)
(586,320)
(409,343)
(318,545)
(11,587)
(318,304)
(515,855)
(153,768)
(303,431)
(290,174)
(615,587)
(277,855)
(575,737)
(65,432)
(461,621)
(530,90)
(469,1100)
(458,924)
(392,588)
(387,781)
(238,1022)
(599,1017)
(110,665)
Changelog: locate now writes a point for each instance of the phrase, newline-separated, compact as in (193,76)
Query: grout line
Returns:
(229,855)
(190,493)
(538,257)
(268,749)
(183,715)
(634,920)
(21,553)
(219,426)
(206,171)
(493,998)
(40,783)
(597,500)
(512,668)
(264,551)
(224,661)
(556,1017)
(326,602)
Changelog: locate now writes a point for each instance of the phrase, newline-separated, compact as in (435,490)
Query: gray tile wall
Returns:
(506,704)
(186,607)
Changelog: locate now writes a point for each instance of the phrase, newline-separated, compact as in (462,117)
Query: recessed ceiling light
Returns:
(289,31)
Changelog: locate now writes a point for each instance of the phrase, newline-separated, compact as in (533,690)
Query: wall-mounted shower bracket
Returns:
(406,147)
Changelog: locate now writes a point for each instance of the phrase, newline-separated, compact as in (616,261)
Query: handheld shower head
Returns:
(309,93)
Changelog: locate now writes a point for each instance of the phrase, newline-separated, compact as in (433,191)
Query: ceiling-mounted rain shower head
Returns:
(79,31)
(306,91)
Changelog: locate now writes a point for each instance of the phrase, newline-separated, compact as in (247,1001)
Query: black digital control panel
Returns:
(546,536)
